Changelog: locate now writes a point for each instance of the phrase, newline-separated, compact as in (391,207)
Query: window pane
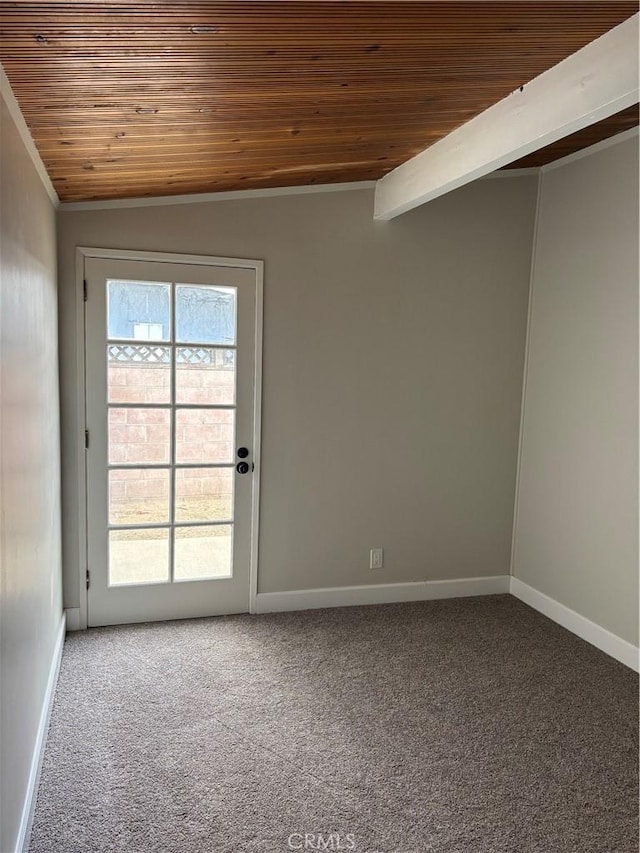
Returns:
(203,552)
(139,496)
(138,310)
(205,375)
(205,314)
(138,373)
(204,435)
(138,556)
(204,494)
(138,436)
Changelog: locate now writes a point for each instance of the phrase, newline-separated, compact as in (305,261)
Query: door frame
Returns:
(84,252)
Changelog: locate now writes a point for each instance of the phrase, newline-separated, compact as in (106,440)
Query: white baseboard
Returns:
(73,618)
(384,593)
(599,637)
(28,808)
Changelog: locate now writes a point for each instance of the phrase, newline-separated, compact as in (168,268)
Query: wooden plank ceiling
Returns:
(149,98)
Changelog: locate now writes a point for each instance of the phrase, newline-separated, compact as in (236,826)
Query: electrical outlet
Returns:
(376,558)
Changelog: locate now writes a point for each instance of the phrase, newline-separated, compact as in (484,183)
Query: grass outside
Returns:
(211,508)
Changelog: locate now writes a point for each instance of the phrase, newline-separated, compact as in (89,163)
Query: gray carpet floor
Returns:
(457,726)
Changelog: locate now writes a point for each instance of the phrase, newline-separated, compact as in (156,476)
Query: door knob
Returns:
(242,467)
(243,452)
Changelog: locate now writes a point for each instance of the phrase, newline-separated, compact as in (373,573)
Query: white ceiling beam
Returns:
(590,85)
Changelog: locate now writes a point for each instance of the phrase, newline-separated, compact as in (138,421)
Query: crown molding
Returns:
(200,198)
(592,149)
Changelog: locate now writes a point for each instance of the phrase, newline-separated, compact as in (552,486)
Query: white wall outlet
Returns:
(376,558)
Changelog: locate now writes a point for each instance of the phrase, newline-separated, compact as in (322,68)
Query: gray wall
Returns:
(577,513)
(30,591)
(393,358)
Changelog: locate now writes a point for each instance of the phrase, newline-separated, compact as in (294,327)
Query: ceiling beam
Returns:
(590,85)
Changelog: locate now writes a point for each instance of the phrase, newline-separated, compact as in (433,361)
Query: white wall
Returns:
(30,578)
(576,537)
(393,358)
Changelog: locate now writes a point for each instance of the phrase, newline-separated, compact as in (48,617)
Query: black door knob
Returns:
(242,467)
(243,452)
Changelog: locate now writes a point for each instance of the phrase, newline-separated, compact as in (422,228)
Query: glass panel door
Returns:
(169,502)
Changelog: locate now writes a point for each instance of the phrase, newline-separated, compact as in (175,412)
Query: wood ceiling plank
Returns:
(315,90)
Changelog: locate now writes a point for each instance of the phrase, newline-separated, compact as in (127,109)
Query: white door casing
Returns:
(171,524)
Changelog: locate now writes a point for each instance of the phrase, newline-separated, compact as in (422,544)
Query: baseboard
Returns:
(599,637)
(384,593)
(26,820)
(73,618)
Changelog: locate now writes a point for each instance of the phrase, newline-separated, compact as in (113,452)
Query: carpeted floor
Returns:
(457,726)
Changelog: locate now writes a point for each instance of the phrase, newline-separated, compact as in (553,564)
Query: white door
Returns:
(170,373)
